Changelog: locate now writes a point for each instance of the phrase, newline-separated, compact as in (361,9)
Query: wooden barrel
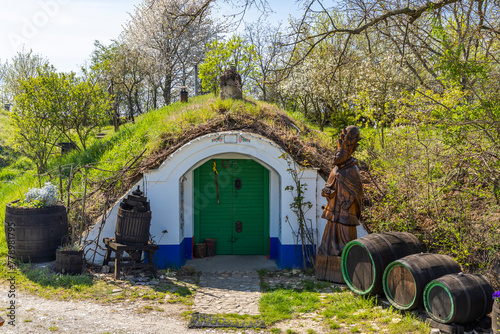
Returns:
(458,298)
(364,259)
(132,227)
(69,262)
(405,279)
(200,250)
(34,234)
(211,242)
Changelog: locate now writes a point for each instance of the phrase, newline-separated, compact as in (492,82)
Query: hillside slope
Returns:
(395,181)
(7,153)
(114,162)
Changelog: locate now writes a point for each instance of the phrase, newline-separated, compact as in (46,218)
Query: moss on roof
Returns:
(308,147)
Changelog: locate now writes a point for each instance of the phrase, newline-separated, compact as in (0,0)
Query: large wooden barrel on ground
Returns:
(34,234)
(364,259)
(405,279)
(458,298)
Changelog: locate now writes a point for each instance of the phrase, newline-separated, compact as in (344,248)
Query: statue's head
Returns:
(347,144)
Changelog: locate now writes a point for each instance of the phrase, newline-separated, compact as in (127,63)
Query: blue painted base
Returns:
(274,248)
(174,256)
(188,248)
(287,256)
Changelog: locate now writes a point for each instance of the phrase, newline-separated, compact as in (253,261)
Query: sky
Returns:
(64,31)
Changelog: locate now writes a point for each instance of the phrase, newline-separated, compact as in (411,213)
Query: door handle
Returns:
(237,184)
(238,227)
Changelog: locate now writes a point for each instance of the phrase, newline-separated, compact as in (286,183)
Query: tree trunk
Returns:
(137,103)
(130,107)
(115,113)
(167,90)
(155,97)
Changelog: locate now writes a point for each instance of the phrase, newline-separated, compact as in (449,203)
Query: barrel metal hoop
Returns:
(343,265)
(388,294)
(427,306)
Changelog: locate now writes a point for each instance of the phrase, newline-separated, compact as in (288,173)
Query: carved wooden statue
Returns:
(344,193)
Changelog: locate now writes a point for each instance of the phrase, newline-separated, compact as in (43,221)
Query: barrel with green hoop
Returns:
(364,259)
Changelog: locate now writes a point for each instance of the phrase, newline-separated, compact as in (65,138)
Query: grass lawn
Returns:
(309,306)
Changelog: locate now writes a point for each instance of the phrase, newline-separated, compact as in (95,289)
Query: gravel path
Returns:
(37,315)
(228,292)
(219,292)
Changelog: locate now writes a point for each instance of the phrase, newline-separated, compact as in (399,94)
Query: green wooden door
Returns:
(236,212)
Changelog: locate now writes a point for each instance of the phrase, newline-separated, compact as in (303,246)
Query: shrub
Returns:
(39,197)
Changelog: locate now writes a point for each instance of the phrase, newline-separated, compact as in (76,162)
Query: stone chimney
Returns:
(230,84)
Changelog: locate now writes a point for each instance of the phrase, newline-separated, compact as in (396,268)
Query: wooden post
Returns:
(334,270)
(328,268)
(321,266)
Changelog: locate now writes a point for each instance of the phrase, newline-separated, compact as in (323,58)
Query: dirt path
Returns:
(38,315)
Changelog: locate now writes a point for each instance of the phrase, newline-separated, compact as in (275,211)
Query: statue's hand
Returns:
(328,192)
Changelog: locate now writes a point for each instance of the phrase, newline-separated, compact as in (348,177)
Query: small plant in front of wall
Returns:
(70,247)
(39,197)
(306,233)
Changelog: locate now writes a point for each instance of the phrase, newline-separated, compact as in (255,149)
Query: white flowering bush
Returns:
(40,197)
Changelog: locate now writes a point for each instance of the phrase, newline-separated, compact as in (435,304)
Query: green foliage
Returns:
(7,153)
(339,310)
(36,203)
(46,277)
(381,113)
(52,106)
(222,55)
(33,117)
(362,314)
(457,61)
(22,164)
(421,185)
(282,304)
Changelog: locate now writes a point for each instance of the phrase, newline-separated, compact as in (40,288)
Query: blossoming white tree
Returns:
(170,40)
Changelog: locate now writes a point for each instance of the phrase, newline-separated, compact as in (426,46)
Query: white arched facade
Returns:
(170,191)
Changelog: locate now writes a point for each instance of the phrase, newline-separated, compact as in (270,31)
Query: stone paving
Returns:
(228,292)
